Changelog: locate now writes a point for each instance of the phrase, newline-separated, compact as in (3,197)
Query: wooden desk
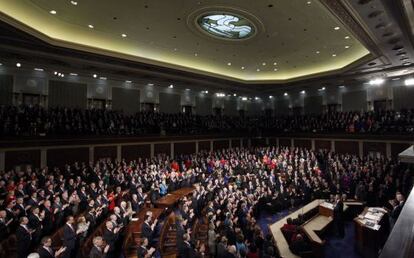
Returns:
(184,191)
(281,243)
(369,241)
(172,198)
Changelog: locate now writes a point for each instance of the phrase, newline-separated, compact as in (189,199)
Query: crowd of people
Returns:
(233,186)
(39,121)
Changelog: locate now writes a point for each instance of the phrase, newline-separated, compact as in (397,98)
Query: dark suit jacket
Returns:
(69,237)
(185,250)
(43,253)
(23,238)
(338,211)
(110,238)
(96,253)
(141,252)
(146,231)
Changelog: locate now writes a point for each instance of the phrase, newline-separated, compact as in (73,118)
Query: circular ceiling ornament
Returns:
(226,25)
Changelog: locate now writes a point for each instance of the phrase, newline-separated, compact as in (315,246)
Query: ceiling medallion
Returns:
(226,25)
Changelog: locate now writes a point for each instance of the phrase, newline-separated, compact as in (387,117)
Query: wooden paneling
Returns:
(184,148)
(132,152)
(396,148)
(302,143)
(204,145)
(284,142)
(321,144)
(221,144)
(61,157)
(162,148)
(272,141)
(245,143)
(346,147)
(26,157)
(105,152)
(374,147)
(235,143)
(258,142)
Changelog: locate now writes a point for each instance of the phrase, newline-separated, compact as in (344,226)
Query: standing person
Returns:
(338,217)
(45,250)
(69,238)
(24,238)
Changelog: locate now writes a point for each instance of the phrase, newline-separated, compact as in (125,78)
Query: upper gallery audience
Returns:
(35,121)
(233,187)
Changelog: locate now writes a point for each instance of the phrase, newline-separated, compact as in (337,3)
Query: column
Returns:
(119,153)
(388,150)
(229,143)
(361,149)
(91,154)
(333,145)
(313,144)
(249,142)
(211,146)
(152,150)
(43,158)
(172,150)
(267,141)
(2,161)
(241,142)
(277,142)
(292,142)
(196,147)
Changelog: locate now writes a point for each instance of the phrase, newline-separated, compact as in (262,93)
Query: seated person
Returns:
(299,245)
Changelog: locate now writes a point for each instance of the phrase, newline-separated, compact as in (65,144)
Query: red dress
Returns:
(111,199)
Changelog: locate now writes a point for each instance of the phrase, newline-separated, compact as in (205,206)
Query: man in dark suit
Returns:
(147,229)
(397,206)
(143,251)
(185,250)
(97,251)
(338,216)
(69,238)
(24,238)
(110,235)
(45,250)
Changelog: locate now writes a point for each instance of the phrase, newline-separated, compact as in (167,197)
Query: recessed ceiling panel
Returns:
(240,40)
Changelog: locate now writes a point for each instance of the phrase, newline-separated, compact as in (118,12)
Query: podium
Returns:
(326,209)
(371,230)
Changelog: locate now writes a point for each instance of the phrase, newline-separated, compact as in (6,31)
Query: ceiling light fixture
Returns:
(308,2)
(187,89)
(347,46)
(103,78)
(95,75)
(258,70)
(396,79)
(336,28)
(256,98)
(318,52)
(242,68)
(270,97)
(128,81)
(376,81)
(409,82)
(303,92)
(53,12)
(73,74)
(228,63)
(39,69)
(91,26)
(55,73)
(244,98)
(74,2)
(275,69)
(18,64)
(333,55)
(347,37)
(150,84)
(263,63)
(285,94)
(234,95)
(275,63)
(195,54)
(220,95)
(341,86)
(171,86)
(124,35)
